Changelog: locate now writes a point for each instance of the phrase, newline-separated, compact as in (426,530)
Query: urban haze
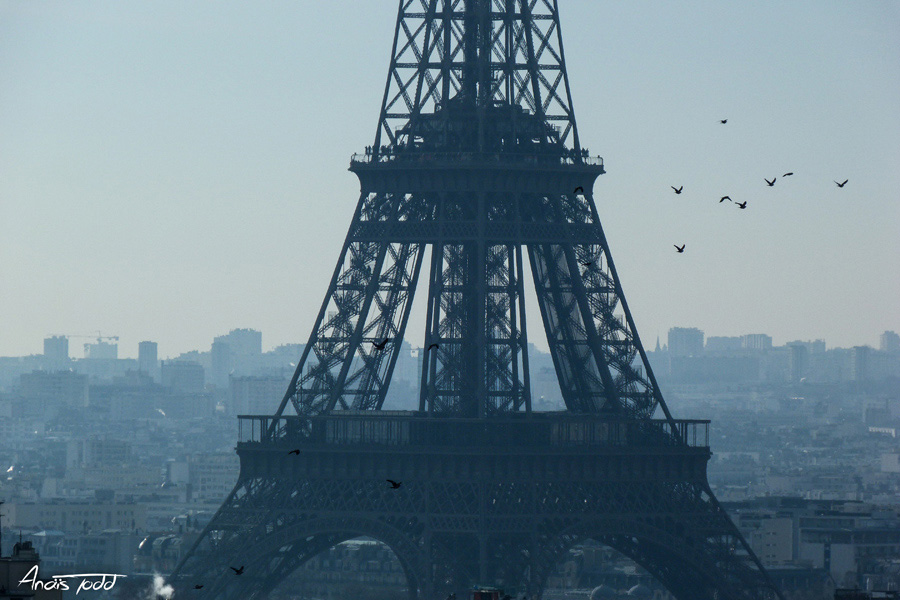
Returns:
(174,195)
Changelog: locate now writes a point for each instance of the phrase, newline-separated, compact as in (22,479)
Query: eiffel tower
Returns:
(476,158)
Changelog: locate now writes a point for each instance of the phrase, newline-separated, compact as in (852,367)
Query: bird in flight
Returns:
(771,183)
(841,184)
(237,571)
(199,586)
(680,249)
(677,190)
(382,344)
(394,484)
(723,121)
(579,190)
(435,346)
(787,174)
(724,198)
(742,205)
(295,451)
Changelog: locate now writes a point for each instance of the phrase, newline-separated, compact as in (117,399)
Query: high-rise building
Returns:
(685,341)
(756,341)
(859,363)
(798,361)
(237,353)
(56,349)
(43,391)
(147,359)
(723,344)
(890,342)
(101,350)
(243,342)
(256,395)
(183,376)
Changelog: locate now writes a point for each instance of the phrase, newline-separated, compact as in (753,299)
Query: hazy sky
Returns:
(171,170)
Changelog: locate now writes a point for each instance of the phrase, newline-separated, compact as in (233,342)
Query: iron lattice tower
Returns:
(476,157)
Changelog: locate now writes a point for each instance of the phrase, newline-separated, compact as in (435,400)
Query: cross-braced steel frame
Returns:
(476,164)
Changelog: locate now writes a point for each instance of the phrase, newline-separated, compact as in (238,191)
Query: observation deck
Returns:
(416,169)
(408,445)
(544,431)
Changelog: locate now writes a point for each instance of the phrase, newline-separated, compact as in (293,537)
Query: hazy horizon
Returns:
(171,171)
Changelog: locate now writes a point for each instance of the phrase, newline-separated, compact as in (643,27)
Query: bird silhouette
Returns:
(681,249)
(588,264)
(724,198)
(771,183)
(382,344)
(435,346)
(741,205)
(295,451)
(787,174)
(579,190)
(199,586)
(677,190)
(238,571)
(841,184)
(723,121)
(394,484)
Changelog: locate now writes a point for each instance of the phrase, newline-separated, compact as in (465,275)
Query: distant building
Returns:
(798,361)
(890,342)
(721,344)
(859,363)
(43,392)
(213,475)
(147,359)
(76,515)
(101,350)
(253,395)
(183,376)
(237,353)
(756,341)
(56,351)
(813,347)
(685,341)
(25,565)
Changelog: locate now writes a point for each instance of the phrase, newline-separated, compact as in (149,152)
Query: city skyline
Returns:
(172,170)
(126,352)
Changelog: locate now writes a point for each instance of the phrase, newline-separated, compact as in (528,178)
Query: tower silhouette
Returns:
(476,157)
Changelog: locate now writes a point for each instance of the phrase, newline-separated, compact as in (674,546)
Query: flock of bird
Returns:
(740,205)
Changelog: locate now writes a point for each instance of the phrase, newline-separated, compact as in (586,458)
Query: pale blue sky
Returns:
(171,170)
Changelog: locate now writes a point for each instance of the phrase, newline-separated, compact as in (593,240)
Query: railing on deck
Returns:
(409,428)
(428,158)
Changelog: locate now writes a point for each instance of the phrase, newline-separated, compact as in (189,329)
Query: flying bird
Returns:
(723,121)
(787,174)
(742,205)
(677,190)
(579,190)
(295,451)
(771,183)
(681,249)
(724,198)
(382,344)
(199,586)
(237,571)
(841,184)
(394,484)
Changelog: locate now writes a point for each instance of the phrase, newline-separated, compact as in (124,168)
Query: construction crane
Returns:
(99,337)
